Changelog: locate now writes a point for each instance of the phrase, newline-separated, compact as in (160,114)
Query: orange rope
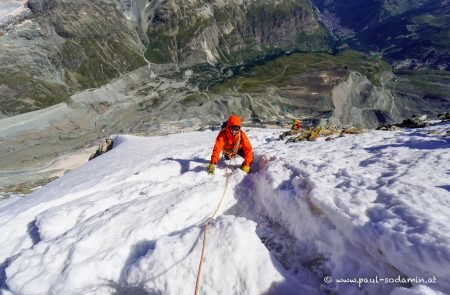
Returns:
(210,218)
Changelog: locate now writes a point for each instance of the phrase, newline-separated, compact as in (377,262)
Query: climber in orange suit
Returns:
(232,141)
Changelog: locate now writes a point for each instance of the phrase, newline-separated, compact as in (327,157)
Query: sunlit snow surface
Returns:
(370,206)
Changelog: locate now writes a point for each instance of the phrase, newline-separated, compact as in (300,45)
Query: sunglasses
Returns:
(234,128)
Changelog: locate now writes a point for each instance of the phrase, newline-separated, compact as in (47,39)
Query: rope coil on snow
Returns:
(205,228)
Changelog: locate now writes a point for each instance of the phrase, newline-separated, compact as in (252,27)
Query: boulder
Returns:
(389,128)
(444,116)
(105,146)
(311,133)
(416,121)
(39,6)
(290,133)
(352,130)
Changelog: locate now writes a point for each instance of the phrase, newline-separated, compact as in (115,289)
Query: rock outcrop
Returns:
(415,121)
(104,146)
(443,116)
(360,103)
(40,6)
(313,133)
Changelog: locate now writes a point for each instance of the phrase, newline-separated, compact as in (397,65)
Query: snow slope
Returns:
(365,207)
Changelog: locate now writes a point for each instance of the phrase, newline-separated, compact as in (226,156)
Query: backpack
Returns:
(224,125)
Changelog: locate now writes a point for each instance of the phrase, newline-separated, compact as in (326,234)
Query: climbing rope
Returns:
(205,228)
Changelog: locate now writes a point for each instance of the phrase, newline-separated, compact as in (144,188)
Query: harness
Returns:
(231,152)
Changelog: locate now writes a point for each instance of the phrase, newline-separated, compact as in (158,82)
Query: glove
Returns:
(245,168)
(211,168)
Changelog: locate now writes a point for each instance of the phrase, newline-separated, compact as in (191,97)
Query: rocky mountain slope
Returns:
(229,32)
(411,33)
(55,48)
(66,46)
(58,47)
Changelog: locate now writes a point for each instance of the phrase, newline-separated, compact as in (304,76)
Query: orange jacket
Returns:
(226,141)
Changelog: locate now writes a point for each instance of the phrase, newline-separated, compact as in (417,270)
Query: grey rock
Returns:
(443,116)
(389,128)
(105,146)
(359,103)
(39,6)
(353,130)
(414,122)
